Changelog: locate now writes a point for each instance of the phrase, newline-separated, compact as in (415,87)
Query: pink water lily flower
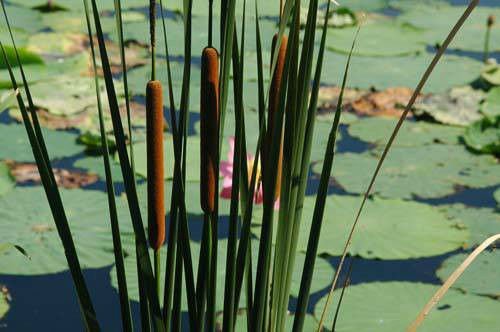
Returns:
(226,171)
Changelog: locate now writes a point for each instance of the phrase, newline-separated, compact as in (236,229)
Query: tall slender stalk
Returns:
(489,25)
(127,324)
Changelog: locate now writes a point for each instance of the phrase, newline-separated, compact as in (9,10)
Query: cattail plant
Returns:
(284,144)
(489,25)
(274,100)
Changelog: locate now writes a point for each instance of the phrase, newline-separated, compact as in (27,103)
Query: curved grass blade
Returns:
(450,281)
(57,209)
(115,228)
(130,187)
(408,107)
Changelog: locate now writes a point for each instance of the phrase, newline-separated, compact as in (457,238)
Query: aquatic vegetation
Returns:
(247,242)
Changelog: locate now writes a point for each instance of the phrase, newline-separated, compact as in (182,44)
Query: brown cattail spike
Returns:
(209,129)
(154,126)
(491,21)
(274,101)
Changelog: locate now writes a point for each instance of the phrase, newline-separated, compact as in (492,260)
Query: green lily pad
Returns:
(388,229)
(481,277)
(57,43)
(483,136)
(25,55)
(6,180)
(427,171)
(96,165)
(491,74)
(496,195)
(23,19)
(459,106)
(16,145)
(4,306)
(29,222)
(322,277)
(378,38)
(192,163)
(491,105)
(404,71)
(481,222)
(392,306)
(377,130)
(67,95)
(470,37)
(310,323)
(73,66)
(77,6)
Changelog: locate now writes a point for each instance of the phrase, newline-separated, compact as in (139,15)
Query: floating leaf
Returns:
(15,144)
(481,222)
(23,18)
(378,38)
(491,74)
(95,165)
(404,71)
(483,136)
(425,171)
(6,180)
(496,194)
(470,37)
(4,306)
(376,130)
(57,43)
(27,57)
(389,102)
(480,278)
(459,106)
(391,306)
(322,277)
(491,105)
(310,323)
(27,173)
(390,229)
(27,221)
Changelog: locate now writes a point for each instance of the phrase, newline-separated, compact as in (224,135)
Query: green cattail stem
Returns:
(154,126)
(152,33)
(209,131)
(274,101)
(489,24)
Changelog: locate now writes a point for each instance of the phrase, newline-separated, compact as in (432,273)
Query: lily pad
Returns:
(491,105)
(459,106)
(57,44)
(6,180)
(389,102)
(483,136)
(496,194)
(23,18)
(392,306)
(192,163)
(322,277)
(404,71)
(481,277)
(481,222)
(310,323)
(388,229)
(426,171)
(16,145)
(378,38)
(491,74)
(95,165)
(4,306)
(378,129)
(27,57)
(470,37)
(29,223)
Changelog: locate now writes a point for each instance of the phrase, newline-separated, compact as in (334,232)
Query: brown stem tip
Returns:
(209,128)
(274,101)
(154,140)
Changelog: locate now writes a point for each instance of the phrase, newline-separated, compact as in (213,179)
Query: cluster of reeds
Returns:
(287,109)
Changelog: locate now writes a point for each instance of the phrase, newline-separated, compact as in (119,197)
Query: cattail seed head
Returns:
(209,128)
(491,21)
(274,101)
(154,138)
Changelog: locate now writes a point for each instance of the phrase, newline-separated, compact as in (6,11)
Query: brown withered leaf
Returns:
(135,54)
(53,121)
(389,102)
(26,173)
(328,97)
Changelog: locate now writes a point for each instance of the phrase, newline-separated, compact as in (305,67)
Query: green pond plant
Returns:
(261,272)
